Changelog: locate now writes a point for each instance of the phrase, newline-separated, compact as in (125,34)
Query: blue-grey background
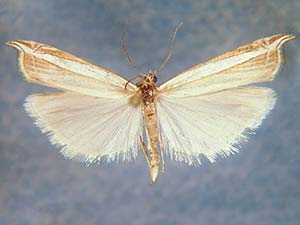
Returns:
(260,185)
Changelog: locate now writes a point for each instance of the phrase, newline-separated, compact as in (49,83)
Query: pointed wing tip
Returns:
(20,44)
(279,39)
(11,43)
(288,37)
(16,44)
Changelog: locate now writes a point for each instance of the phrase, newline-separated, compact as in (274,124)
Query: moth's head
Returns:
(150,77)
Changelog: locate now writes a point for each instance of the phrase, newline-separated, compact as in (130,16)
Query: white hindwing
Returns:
(206,109)
(88,127)
(211,124)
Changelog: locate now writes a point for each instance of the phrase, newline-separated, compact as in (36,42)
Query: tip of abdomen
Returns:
(154,173)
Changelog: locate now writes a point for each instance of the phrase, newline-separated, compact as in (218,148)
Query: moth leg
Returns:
(136,77)
(162,155)
(143,146)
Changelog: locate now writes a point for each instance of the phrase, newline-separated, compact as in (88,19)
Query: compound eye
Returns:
(154,79)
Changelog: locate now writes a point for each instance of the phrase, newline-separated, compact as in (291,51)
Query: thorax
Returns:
(148,90)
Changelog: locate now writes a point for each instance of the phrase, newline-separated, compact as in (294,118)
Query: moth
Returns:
(97,115)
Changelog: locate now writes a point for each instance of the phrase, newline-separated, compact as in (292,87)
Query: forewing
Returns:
(256,62)
(212,124)
(46,65)
(87,127)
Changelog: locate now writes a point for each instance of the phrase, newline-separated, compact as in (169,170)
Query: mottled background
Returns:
(260,185)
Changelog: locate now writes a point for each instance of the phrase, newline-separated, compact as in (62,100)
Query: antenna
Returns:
(170,49)
(130,61)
